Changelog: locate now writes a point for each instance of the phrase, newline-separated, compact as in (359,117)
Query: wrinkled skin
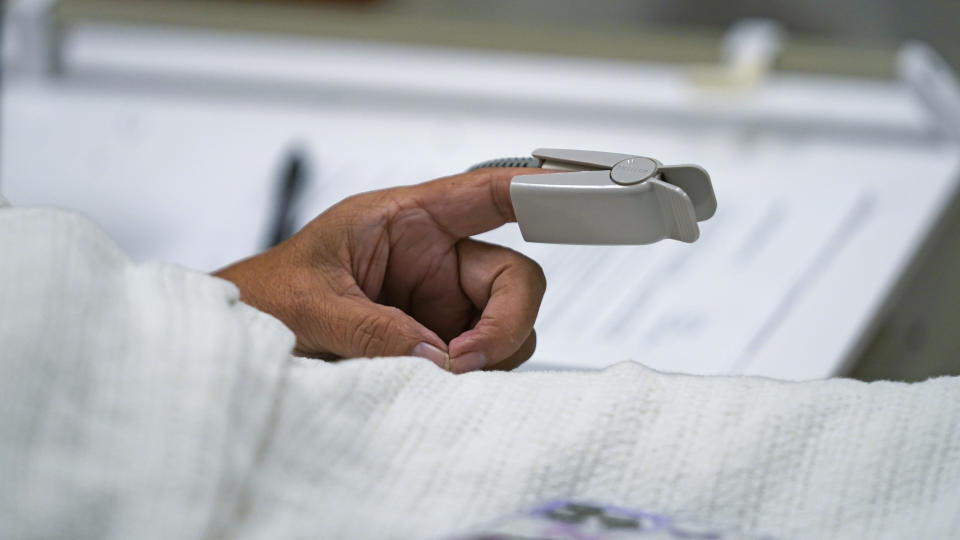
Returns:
(395,272)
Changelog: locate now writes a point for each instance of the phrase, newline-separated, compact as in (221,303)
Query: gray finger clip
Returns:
(607,198)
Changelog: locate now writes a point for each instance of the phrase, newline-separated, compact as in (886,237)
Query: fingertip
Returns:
(478,349)
(471,361)
(464,343)
(432,353)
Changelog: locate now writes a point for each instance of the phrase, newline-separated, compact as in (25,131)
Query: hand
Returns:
(395,272)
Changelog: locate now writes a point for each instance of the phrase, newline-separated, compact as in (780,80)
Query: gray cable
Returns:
(526,162)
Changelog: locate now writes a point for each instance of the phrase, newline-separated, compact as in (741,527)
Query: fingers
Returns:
(508,287)
(358,327)
(470,203)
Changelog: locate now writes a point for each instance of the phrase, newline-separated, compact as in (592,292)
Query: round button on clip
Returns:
(634,170)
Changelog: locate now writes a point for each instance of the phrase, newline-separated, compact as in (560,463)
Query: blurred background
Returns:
(200,132)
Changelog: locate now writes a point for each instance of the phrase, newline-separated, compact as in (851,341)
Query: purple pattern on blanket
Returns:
(575,520)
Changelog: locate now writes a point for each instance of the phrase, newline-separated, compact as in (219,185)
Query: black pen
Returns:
(292,181)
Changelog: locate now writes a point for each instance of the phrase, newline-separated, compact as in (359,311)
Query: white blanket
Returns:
(148,402)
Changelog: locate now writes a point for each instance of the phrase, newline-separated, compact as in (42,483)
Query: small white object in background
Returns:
(748,52)
(31,42)
(751,46)
(933,81)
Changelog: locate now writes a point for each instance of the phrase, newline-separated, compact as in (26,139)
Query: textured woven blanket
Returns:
(146,401)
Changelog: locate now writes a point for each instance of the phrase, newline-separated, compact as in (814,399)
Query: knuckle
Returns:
(535,274)
(350,203)
(374,206)
(497,330)
(539,277)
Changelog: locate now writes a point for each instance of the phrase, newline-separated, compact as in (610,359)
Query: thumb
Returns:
(362,328)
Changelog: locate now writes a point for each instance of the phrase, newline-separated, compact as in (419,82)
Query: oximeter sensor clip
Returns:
(607,198)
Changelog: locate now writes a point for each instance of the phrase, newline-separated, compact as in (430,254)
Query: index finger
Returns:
(471,203)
